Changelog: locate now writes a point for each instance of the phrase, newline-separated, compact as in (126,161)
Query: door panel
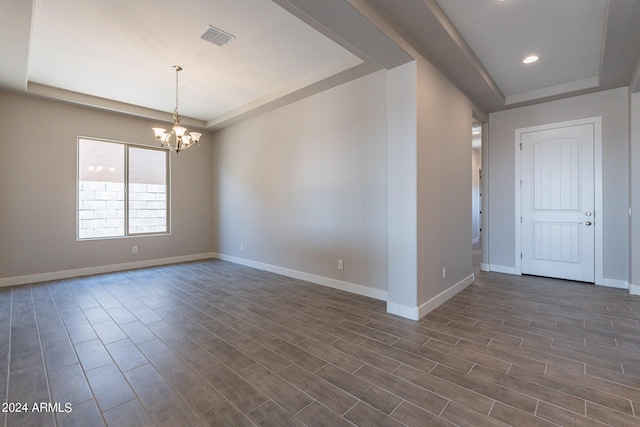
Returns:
(557,196)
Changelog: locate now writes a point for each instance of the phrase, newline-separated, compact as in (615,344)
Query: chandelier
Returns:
(178,139)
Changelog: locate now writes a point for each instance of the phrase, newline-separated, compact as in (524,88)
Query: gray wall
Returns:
(403,189)
(612,105)
(376,172)
(444,190)
(305,185)
(297,188)
(634,162)
(38,190)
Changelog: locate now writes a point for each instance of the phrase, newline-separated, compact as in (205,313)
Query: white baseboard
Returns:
(88,271)
(634,289)
(615,283)
(503,269)
(439,299)
(609,283)
(416,313)
(412,313)
(320,280)
(313,278)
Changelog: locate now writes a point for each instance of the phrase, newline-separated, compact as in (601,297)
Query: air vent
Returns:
(216,36)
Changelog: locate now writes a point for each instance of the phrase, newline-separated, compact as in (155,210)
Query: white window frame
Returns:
(126,145)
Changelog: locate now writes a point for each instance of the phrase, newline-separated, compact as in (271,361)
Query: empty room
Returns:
(270,213)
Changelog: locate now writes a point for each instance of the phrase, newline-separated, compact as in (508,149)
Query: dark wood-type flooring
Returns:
(214,343)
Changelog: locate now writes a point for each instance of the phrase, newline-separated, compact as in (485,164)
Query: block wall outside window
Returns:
(107,207)
(102,214)
(101,209)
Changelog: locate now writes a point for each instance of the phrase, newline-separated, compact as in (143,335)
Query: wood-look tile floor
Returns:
(213,343)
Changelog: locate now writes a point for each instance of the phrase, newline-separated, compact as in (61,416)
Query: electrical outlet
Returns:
(444,272)
(134,249)
(242,246)
(340,264)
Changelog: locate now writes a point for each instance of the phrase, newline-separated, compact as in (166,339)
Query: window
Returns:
(122,189)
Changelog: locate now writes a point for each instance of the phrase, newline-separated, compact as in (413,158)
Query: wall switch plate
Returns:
(242,246)
(340,264)
(134,250)
(444,272)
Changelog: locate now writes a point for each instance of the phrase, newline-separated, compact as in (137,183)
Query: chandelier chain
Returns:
(175,112)
(179,138)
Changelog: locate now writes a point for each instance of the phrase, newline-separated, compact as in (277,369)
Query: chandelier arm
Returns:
(183,139)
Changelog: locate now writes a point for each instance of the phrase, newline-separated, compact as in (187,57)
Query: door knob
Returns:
(588,213)
(588,223)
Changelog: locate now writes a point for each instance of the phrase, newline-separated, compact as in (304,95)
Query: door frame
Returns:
(599,214)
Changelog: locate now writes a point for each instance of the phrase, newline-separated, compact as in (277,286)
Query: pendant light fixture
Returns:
(178,139)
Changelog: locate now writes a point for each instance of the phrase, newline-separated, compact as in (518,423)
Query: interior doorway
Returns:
(476,192)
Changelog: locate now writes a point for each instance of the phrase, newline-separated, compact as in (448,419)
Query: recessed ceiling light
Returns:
(530,59)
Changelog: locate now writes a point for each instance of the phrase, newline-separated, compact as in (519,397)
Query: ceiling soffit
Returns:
(332,42)
(454,35)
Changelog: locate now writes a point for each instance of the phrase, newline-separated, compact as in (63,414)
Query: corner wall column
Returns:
(402,190)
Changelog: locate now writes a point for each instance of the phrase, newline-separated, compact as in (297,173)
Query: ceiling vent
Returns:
(216,36)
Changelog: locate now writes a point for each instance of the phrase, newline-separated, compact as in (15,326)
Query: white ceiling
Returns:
(118,54)
(584,45)
(125,50)
(567,35)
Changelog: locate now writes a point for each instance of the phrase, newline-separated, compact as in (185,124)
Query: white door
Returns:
(557,202)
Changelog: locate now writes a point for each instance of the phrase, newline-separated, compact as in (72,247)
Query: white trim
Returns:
(573,86)
(412,313)
(125,182)
(615,283)
(599,255)
(599,210)
(634,289)
(88,271)
(504,269)
(443,296)
(417,313)
(485,267)
(518,246)
(319,280)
